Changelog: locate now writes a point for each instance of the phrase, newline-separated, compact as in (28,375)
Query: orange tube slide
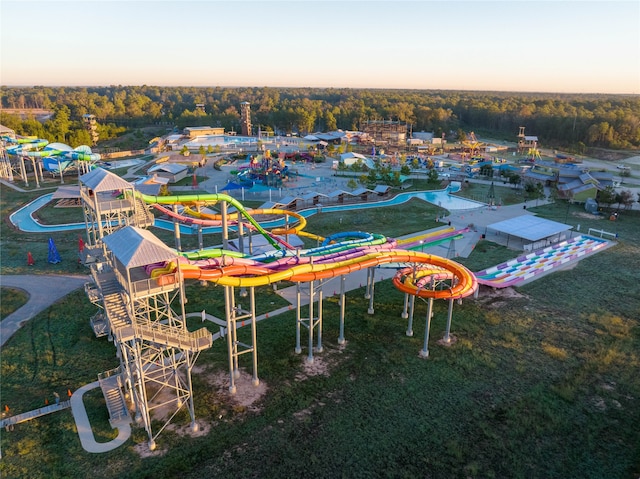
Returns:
(248,275)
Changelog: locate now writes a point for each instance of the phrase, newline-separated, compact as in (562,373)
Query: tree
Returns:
(405,170)
(487,170)
(60,124)
(202,150)
(432,176)
(625,199)
(515,179)
(607,197)
(352,184)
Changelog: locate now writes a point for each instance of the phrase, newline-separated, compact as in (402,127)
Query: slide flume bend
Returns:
(347,260)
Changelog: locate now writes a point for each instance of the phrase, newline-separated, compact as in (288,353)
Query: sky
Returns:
(520,46)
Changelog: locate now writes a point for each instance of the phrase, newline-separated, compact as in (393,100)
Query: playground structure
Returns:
(139,287)
(263,169)
(53,157)
(472,149)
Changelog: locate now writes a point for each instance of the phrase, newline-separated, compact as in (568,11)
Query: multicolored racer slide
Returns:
(337,255)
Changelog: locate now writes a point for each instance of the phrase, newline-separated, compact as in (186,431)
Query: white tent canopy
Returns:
(529,227)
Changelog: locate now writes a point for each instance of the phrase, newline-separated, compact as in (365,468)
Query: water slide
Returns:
(463,282)
(339,255)
(432,238)
(523,268)
(295,229)
(55,156)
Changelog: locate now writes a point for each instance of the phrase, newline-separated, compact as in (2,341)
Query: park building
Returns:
(386,132)
(196,131)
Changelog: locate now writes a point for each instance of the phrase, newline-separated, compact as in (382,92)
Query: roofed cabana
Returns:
(337,196)
(109,203)
(131,250)
(362,193)
(312,198)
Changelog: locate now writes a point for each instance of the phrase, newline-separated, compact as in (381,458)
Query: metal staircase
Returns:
(143,216)
(111,390)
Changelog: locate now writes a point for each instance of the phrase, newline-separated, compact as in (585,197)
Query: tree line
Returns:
(573,122)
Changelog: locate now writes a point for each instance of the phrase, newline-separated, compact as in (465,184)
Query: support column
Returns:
(447,337)
(311,299)
(228,310)
(23,171)
(371,290)
(404,314)
(425,349)
(225,226)
(298,319)
(412,303)
(254,335)
(341,339)
(176,229)
(367,292)
(319,322)
(35,172)
(192,411)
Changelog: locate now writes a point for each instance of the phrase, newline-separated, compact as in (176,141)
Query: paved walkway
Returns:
(43,291)
(83,425)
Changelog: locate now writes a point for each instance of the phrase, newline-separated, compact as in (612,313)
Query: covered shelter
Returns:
(337,196)
(67,196)
(130,250)
(174,172)
(312,198)
(529,231)
(381,190)
(362,193)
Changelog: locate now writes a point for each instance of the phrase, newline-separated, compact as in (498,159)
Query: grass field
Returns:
(542,381)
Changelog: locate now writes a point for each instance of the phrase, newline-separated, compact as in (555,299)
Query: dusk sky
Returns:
(542,46)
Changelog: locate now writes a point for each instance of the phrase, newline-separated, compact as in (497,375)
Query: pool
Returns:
(24,221)
(214,140)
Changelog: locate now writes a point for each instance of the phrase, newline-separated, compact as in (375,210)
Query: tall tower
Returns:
(245,118)
(92,127)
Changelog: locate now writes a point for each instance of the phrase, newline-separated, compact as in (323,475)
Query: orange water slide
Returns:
(464,282)
(297,228)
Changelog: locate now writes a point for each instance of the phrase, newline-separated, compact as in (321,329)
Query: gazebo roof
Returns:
(138,247)
(100,180)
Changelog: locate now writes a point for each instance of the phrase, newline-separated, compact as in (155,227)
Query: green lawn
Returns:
(11,299)
(542,382)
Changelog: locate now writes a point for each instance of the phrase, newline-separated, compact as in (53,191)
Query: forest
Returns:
(573,122)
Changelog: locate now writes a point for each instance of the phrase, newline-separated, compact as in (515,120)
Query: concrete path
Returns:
(83,425)
(43,291)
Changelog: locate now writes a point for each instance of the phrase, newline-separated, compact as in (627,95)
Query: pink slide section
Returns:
(526,268)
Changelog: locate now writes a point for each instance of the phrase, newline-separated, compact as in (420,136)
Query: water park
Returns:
(137,282)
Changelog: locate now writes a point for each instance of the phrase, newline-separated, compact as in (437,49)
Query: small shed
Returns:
(381,190)
(312,198)
(362,193)
(337,196)
(591,206)
(174,172)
